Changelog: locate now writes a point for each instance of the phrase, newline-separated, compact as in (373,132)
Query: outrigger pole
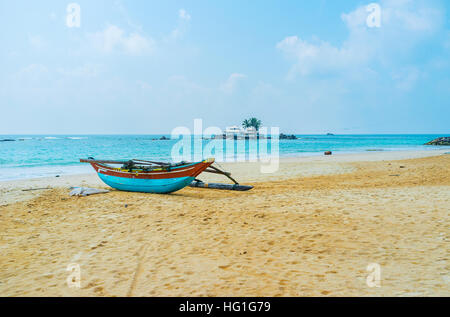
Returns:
(133,161)
(215,170)
(201,184)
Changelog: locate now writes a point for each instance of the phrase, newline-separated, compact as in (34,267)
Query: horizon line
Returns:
(294,133)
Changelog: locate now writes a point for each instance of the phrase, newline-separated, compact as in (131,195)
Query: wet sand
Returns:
(310,229)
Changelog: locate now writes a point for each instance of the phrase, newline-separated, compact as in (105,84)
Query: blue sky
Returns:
(149,66)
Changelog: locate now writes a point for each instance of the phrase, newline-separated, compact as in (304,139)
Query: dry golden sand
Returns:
(302,235)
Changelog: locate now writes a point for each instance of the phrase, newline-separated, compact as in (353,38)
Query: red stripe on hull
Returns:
(190,171)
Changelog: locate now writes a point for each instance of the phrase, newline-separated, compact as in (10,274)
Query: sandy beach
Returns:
(310,229)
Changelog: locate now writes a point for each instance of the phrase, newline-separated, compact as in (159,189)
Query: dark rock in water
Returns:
(328,153)
(287,137)
(164,138)
(440,141)
(7,140)
(330,134)
(57,176)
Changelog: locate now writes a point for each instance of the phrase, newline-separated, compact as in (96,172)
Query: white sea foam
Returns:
(13,173)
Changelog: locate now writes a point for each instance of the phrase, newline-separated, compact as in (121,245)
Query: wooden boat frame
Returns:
(159,177)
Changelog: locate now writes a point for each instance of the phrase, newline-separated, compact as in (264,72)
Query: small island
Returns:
(163,138)
(440,141)
(287,137)
(250,130)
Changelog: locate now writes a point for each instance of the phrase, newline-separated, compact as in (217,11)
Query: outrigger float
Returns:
(158,177)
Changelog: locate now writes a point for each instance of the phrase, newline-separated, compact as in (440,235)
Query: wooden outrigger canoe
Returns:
(157,177)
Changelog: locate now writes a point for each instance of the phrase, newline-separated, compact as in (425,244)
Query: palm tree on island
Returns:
(252,122)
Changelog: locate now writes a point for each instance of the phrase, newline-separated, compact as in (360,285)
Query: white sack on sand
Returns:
(85,191)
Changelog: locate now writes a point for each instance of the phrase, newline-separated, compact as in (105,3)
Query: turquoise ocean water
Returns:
(30,156)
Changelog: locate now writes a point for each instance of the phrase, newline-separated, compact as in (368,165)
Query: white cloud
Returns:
(32,71)
(230,84)
(184,15)
(184,19)
(175,34)
(114,39)
(401,15)
(403,25)
(118,5)
(87,70)
(318,57)
(357,18)
(36,41)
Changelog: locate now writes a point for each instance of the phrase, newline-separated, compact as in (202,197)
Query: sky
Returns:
(147,67)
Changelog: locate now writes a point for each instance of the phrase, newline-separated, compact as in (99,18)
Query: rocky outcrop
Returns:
(440,141)
(287,137)
(161,138)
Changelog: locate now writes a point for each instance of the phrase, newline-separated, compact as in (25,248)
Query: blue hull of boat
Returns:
(158,186)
